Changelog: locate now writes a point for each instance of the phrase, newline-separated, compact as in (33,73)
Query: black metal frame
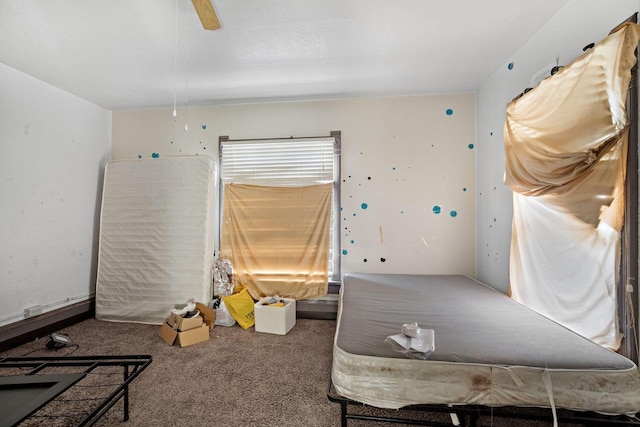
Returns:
(132,366)
(470,415)
(628,274)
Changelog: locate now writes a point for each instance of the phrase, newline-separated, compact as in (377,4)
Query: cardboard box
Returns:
(193,336)
(273,319)
(167,333)
(181,324)
(208,314)
(188,331)
(185,338)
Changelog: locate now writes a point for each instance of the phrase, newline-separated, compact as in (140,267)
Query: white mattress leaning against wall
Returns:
(156,237)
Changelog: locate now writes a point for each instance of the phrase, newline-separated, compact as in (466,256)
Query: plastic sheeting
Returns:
(156,237)
(566,146)
(278,238)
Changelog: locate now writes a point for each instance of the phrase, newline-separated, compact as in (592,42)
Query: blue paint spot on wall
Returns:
(394,168)
(510,66)
(470,146)
(139,156)
(204,127)
(437,209)
(464,188)
(352,242)
(344,252)
(449,112)
(364,206)
(155,155)
(354,214)
(453,214)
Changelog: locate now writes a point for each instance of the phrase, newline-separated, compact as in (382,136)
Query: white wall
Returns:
(579,23)
(400,155)
(53,149)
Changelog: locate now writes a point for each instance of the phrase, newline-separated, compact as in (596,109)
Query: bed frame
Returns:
(467,415)
(39,388)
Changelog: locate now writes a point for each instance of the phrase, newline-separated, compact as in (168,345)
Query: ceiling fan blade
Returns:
(207,14)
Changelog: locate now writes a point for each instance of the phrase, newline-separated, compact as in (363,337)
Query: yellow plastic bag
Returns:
(240,305)
(239,287)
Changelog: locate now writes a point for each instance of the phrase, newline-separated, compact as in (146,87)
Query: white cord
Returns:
(175,65)
(186,78)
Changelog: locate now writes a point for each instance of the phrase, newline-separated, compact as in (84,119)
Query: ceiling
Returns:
(121,54)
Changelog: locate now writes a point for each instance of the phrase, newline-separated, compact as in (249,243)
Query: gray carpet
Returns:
(237,378)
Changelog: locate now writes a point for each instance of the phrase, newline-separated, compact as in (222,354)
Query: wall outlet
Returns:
(32,311)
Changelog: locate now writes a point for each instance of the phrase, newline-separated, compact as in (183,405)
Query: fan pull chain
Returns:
(175,65)
(186,73)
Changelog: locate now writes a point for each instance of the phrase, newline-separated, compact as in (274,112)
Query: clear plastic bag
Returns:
(414,341)
(223,316)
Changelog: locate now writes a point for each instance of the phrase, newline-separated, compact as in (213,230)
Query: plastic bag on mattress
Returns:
(414,341)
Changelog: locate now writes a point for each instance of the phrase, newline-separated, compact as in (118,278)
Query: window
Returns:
(287,162)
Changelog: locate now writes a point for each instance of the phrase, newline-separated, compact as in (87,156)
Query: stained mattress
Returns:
(156,237)
(489,350)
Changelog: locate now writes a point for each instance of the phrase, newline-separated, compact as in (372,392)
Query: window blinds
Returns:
(279,162)
(287,162)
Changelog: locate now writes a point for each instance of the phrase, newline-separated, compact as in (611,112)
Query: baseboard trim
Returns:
(334,287)
(317,309)
(23,331)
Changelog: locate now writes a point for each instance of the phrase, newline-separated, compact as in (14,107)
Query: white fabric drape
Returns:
(277,238)
(566,146)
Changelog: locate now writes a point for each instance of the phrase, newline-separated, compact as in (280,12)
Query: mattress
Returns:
(489,350)
(156,237)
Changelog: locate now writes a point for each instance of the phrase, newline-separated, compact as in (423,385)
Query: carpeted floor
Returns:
(237,378)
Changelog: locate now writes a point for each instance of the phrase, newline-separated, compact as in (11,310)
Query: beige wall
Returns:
(400,156)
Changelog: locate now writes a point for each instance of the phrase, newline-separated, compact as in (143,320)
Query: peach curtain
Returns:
(566,147)
(277,238)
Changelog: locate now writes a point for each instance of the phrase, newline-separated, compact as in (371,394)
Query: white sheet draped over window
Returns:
(566,146)
(278,238)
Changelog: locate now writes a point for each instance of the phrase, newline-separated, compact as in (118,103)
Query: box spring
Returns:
(489,350)
(156,237)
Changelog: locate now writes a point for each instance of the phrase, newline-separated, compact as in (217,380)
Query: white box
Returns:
(273,319)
